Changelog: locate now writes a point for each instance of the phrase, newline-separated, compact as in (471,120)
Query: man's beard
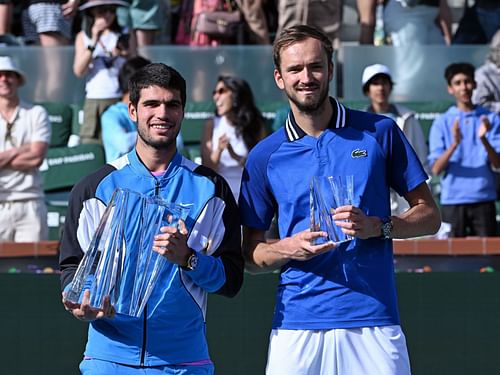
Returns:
(311,106)
(157,144)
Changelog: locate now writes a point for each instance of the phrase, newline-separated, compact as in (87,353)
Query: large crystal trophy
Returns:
(326,194)
(120,262)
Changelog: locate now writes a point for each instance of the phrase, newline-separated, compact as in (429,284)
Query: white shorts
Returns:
(24,221)
(354,351)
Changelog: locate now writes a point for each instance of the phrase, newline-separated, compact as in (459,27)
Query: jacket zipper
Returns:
(143,351)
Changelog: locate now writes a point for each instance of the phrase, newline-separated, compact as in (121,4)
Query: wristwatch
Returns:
(386,228)
(91,48)
(192,261)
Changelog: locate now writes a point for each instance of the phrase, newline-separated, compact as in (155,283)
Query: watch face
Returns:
(193,261)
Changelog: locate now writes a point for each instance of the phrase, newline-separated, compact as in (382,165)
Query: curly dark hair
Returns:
(244,114)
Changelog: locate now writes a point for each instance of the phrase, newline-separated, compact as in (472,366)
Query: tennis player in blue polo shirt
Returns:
(336,306)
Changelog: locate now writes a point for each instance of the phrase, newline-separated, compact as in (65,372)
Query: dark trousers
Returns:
(475,219)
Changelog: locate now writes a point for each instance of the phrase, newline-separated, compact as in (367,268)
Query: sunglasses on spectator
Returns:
(220,91)
(8,134)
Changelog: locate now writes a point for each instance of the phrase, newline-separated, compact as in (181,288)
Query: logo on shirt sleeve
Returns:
(357,153)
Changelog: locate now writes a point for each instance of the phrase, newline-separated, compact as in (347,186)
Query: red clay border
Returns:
(451,246)
(28,249)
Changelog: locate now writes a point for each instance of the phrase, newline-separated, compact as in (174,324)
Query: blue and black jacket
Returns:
(172,328)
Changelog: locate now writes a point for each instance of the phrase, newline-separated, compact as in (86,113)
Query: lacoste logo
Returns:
(359,153)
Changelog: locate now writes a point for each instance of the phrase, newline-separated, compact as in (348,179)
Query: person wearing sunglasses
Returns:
(24,139)
(101,48)
(236,127)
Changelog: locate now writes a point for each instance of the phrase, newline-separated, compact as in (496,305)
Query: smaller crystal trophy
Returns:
(326,194)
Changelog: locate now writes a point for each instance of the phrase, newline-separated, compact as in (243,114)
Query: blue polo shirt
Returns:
(352,285)
(468,178)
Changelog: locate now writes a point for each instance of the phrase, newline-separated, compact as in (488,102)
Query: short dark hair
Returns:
(297,34)
(459,68)
(128,68)
(156,74)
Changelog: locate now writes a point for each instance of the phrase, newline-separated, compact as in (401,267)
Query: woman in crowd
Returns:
(101,48)
(234,130)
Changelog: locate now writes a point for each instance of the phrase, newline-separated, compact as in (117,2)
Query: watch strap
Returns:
(386,227)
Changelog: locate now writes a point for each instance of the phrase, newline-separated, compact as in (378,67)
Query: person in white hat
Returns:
(101,48)
(24,139)
(377,85)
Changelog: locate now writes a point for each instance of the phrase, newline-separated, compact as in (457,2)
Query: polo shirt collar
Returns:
(294,132)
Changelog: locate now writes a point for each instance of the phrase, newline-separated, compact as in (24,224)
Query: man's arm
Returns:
(261,256)
(28,156)
(422,218)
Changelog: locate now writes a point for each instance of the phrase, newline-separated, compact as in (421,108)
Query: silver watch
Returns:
(386,228)
(192,261)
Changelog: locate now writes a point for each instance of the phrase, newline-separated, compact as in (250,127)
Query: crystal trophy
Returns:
(120,262)
(326,194)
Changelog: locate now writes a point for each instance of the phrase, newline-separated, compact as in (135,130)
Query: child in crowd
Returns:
(101,48)
(464,145)
(377,85)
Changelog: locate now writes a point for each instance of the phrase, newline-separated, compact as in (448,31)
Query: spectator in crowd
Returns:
(479,23)
(24,138)
(325,15)
(334,301)
(255,17)
(410,22)
(377,86)
(5,16)
(144,19)
(48,23)
(234,130)
(366,12)
(488,14)
(119,132)
(487,92)
(464,145)
(203,255)
(101,48)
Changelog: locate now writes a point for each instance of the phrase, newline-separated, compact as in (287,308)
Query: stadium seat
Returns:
(61,118)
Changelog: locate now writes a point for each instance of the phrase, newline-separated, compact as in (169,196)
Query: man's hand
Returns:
(484,128)
(300,245)
(223,142)
(70,8)
(353,222)
(85,312)
(457,134)
(172,244)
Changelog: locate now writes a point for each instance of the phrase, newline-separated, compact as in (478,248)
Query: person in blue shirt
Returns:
(203,255)
(464,146)
(119,132)
(336,307)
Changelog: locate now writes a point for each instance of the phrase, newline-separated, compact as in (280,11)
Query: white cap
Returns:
(372,70)
(8,65)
